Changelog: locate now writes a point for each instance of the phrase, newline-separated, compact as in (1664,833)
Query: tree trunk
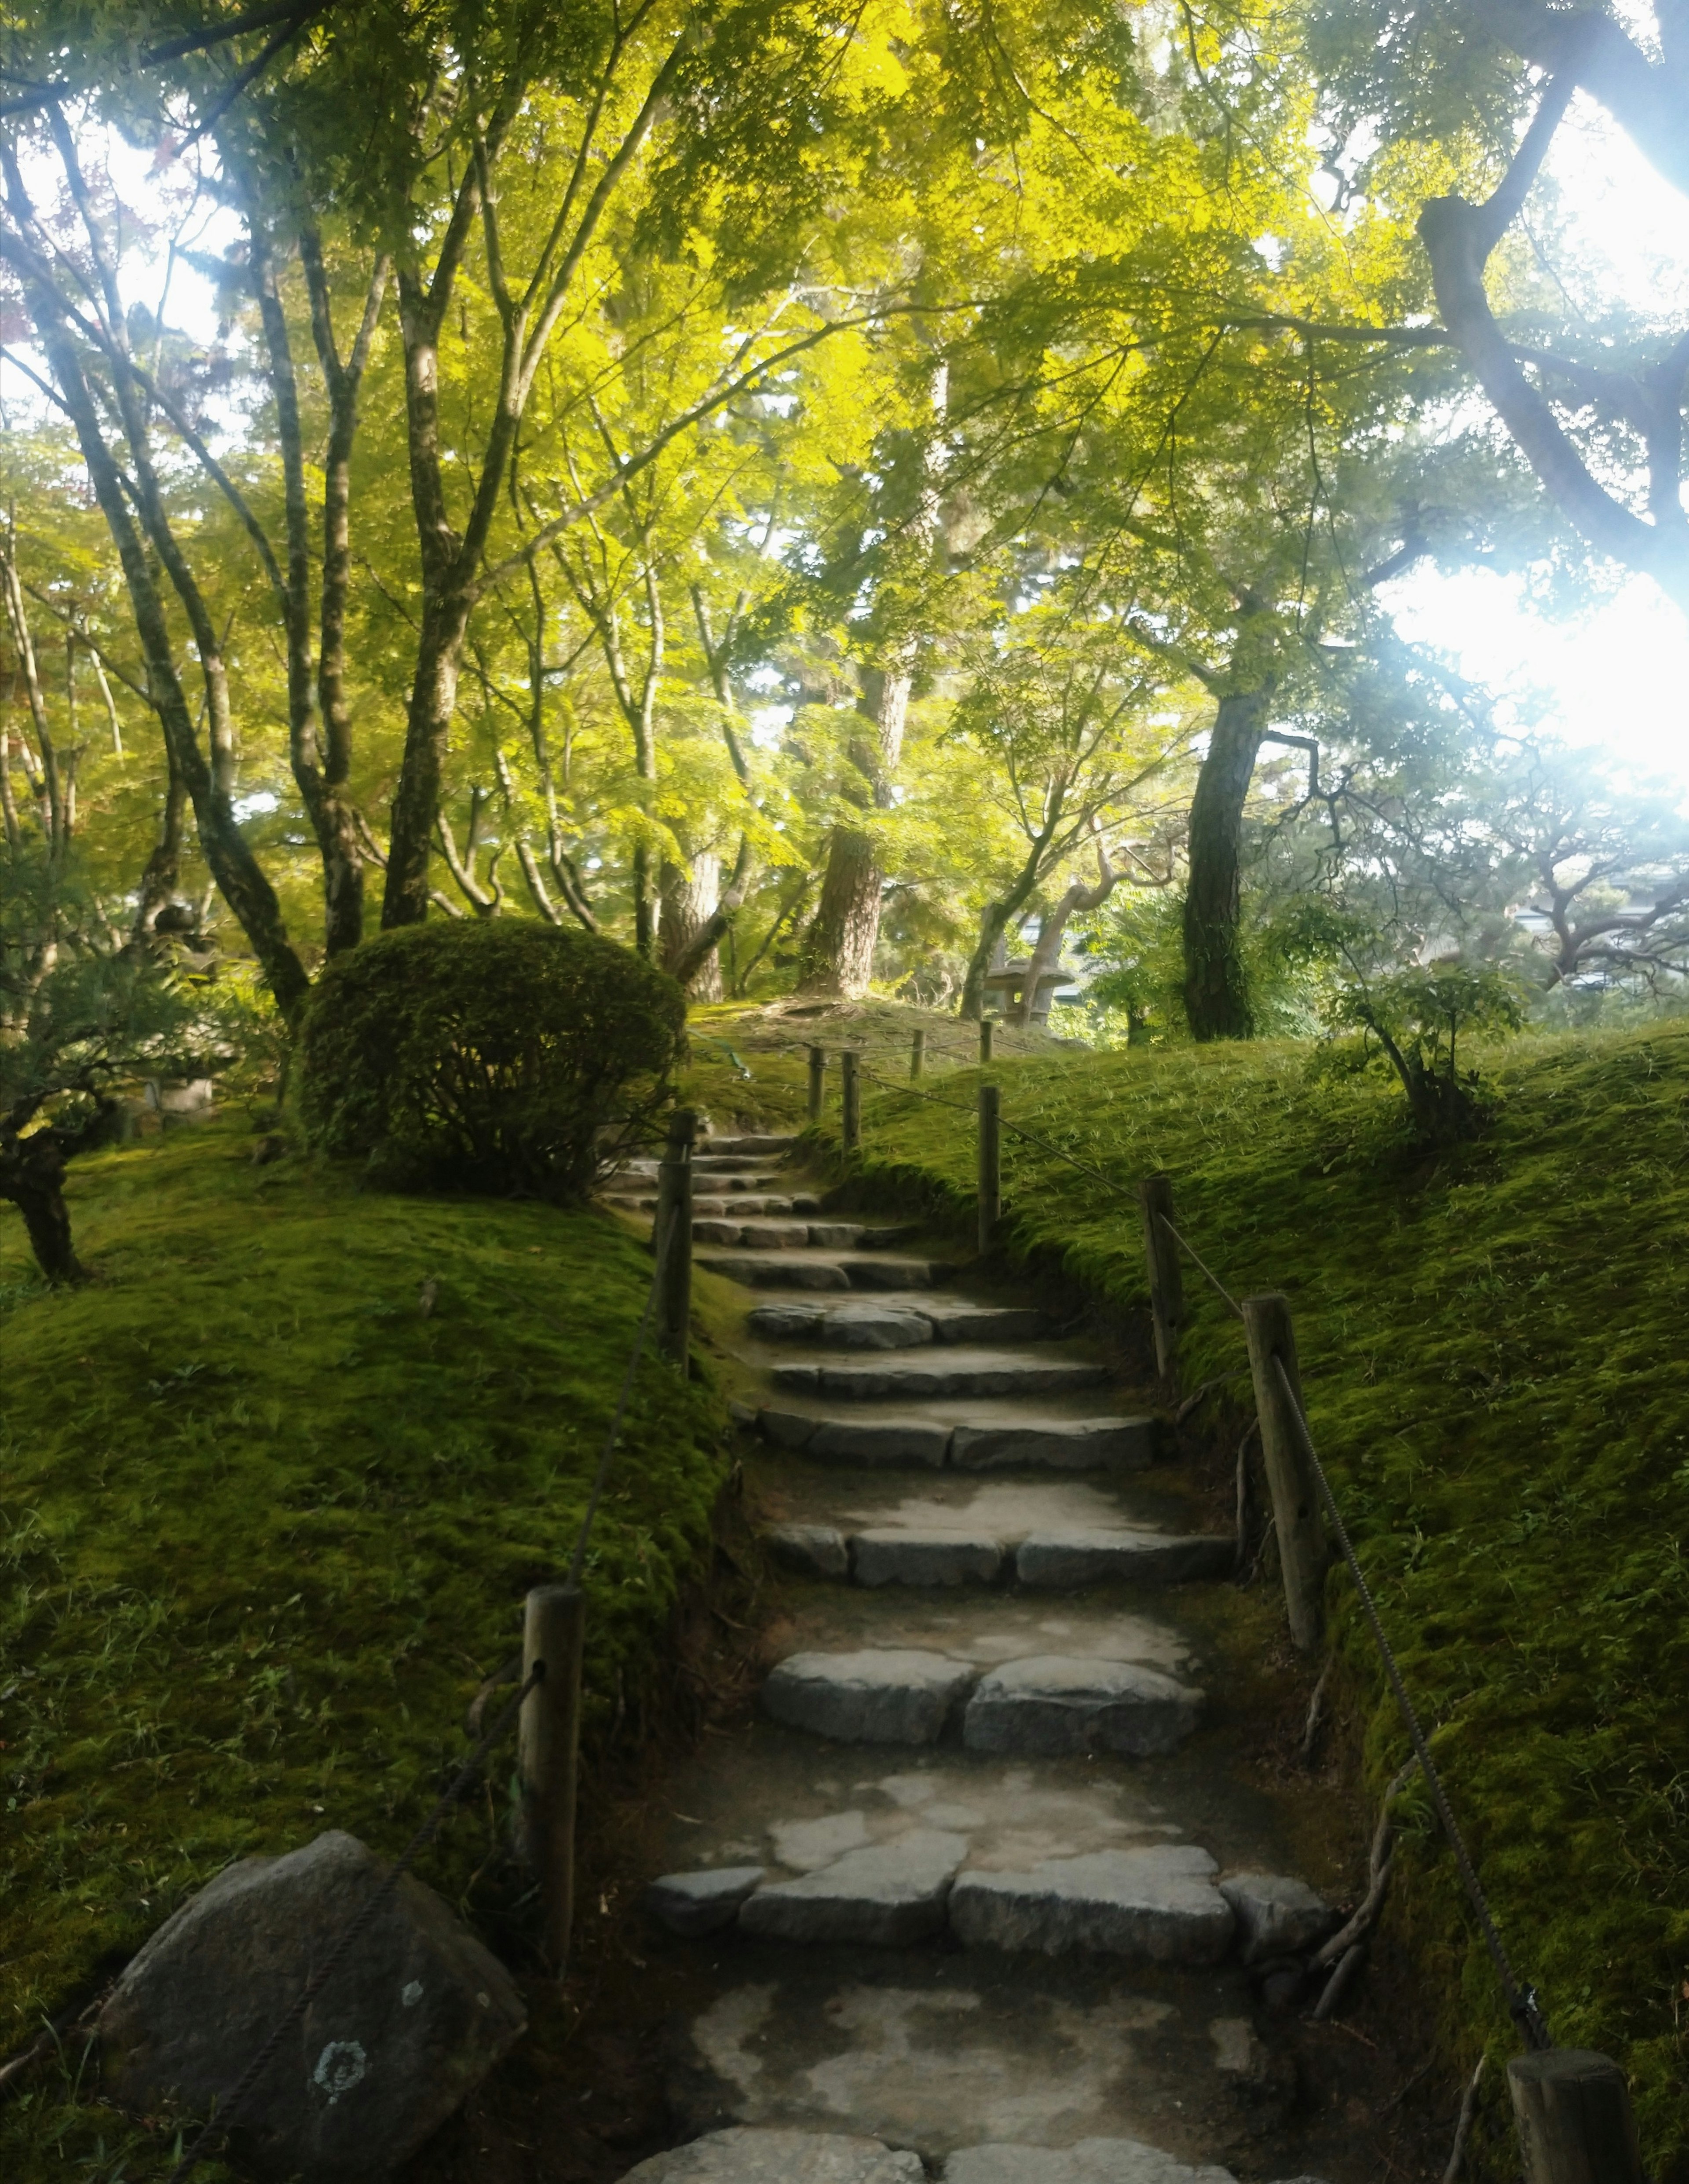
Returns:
(689,902)
(163,872)
(839,948)
(32,1176)
(1216,988)
(417,800)
(993,925)
(1047,954)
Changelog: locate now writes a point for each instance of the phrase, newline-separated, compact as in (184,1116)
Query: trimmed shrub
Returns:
(509,1058)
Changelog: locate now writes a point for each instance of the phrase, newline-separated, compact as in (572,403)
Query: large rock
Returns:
(1156,1904)
(1056,1445)
(1063,1561)
(894,1696)
(1276,1915)
(1092,2161)
(743,2156)
(414,2018)
(1050,1704)
(695,1904)
(890,1894)
(888,1556)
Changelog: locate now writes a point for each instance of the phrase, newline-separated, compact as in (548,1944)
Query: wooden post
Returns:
(917,1053)
(548,1734)
(674,1220)
(990,1164)
(1573,2110)
(1167,1274)
(1296,1513)
(986,1031)
(817,1081)
(850,1100)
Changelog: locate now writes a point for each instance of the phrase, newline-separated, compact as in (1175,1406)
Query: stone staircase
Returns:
(982,1895)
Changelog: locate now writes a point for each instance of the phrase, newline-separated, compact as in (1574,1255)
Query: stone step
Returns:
(769,1141)
(1046,1705)
(743,2154)
(1098,1444)
(898,1326)
(794,1235)
(825,1270)
(954,1371)
(1054,1704)
(1067,1562)
(1156,1903)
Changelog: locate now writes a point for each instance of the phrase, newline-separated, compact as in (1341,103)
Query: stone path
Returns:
(976,1898)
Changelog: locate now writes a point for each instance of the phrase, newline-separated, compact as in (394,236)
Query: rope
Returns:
(1522,2003)
(320,1979)
(1208,1270)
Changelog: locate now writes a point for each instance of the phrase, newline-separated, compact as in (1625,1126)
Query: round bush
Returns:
(510,1058)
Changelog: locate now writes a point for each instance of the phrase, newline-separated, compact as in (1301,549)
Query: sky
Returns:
(1618,676)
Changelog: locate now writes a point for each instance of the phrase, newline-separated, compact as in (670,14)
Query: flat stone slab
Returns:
(1056,1445)
(1053,1704)
(1092,2161)
(774,1270)
(1156,1904)
(867,1697)
(868,1441)
(763,1141)
(885,1556)
(693,1904)
(1064,1561)
(959,1321)
(845,1326)
(774,1235)
(752,2156)
(811,1550)
(941,1373)
(1277,1916)
(888,1895)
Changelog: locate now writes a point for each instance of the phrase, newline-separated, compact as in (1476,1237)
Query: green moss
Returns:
(1493,1351)
(267,1527)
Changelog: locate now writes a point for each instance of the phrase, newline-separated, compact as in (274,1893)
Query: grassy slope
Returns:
(1494,1361)
(266,1528)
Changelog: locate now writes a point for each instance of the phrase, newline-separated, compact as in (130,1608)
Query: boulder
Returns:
(1050,1705)
(750,2156)
(894,1696)
(415,2017)
(1276,1916)
(693,1904)
(890,1894)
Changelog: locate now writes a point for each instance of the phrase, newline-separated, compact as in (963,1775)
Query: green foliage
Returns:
(265,1528)
(1491,1356)
(513,1058)
(1414,1019)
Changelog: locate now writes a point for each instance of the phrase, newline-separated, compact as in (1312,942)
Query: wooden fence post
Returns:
(917,1053)
(1167,1274)
(1296,1513)
(547,1745)
(849,1099)
(674,1220)
(986,1031)
(817,1081)
(990,1164)
(1573,2110)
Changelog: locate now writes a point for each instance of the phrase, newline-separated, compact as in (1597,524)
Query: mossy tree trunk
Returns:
(1216,986)
(32,1176)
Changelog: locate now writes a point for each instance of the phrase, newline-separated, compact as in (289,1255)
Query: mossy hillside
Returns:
(1492,1352)
(267,1527)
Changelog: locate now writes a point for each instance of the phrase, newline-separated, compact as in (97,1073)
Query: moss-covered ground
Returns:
(267,1527)
(1494,1362)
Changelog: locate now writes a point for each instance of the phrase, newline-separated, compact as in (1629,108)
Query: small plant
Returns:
(508,1057)
(1413,1020)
